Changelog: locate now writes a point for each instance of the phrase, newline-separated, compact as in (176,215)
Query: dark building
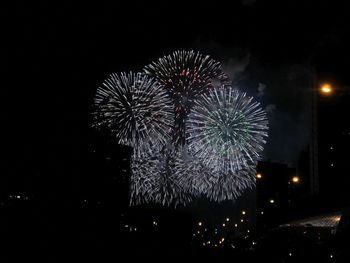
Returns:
(108,173)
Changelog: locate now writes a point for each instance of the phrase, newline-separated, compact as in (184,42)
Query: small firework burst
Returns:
(135,109)
(231,185)
(156,178)
(185,75)
(226,130)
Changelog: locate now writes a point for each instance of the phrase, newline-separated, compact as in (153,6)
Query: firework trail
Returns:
(185,75)
(226,130)
(135,109)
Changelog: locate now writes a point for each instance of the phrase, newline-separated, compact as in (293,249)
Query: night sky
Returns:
(56,54)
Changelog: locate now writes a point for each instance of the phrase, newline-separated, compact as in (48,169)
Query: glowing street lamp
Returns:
(259,176)
(295,179)
(326,89)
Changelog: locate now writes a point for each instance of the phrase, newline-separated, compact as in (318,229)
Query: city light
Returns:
(243,212)
(200,223)
(223,224)
(259,176)
(227,219)
(295,179)
(326,89)
(272,201)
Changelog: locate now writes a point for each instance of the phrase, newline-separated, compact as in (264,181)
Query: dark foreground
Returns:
(29,231)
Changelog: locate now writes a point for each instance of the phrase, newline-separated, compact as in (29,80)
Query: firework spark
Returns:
(157,177)
(135,109)
(185,75)
(231,185)
(226,130)
(192,133)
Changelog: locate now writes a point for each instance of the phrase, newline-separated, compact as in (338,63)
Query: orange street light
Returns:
(326,89)
(295,179)
(259,176)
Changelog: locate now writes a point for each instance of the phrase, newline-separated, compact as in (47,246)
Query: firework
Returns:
(231,185)
(157,177)
(143,179)
(185,75)
(194,177)
(226,130)
(192,133)
(135,109)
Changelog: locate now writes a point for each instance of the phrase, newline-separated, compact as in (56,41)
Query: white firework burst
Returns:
(226,130)
(231,185)
(185,75)
(157,177)
(135,109)
(192,133)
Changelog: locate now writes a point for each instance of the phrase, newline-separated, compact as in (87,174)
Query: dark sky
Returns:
(56,54)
